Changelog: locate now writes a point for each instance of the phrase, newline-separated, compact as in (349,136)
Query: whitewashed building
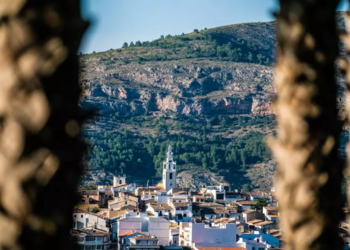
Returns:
(79,219)
(91,239)
(144,240)
(127,225)
(218,192)
(196,233)
(271,213)
(159,227)
(160,210)
(82,219)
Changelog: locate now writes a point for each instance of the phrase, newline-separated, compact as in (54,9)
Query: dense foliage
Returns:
(260,203)
(196,143)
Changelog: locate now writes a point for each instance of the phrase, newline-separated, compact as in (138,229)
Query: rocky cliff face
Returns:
(191,87)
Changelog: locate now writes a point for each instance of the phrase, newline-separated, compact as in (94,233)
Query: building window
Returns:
(120,182)
(171,184)
(171,176)
(99,247)
(82,216)
(89,238)
(138,241)
(75,216)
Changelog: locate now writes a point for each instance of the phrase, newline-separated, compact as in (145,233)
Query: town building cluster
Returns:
(124,216)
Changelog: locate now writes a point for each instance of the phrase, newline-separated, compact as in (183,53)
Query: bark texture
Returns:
(310,171)
(345,65)
(40,147)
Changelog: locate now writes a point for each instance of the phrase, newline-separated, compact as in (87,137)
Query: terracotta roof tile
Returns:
(160,206)
(128,234)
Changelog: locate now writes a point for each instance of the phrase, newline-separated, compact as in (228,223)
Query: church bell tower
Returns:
(169,171)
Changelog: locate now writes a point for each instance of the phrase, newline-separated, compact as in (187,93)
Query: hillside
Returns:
(248,42)
(208,93)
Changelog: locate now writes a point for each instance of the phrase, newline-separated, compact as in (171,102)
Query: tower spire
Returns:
(169,155)
(169,171)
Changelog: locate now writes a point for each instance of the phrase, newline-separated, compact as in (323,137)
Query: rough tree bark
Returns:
(345,66)
(40,149)
(310,171)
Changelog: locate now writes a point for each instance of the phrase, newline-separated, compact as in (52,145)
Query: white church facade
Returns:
(169,171)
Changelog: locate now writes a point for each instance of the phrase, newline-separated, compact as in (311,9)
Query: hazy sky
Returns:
(117,21)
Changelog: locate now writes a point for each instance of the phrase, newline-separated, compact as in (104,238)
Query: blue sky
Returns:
(117,21)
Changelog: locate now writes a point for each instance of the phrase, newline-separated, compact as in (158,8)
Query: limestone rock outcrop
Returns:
(191,87)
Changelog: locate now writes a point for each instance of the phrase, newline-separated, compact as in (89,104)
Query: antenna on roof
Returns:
(147,183)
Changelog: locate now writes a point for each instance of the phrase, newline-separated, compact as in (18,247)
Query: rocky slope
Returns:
(190,87)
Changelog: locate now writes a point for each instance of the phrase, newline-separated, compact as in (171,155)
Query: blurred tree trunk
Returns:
(345,65)
(310,172)
(40,147)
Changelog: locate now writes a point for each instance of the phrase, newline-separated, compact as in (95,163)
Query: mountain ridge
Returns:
(209,94)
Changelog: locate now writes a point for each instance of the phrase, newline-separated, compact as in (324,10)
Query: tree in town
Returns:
(260,203)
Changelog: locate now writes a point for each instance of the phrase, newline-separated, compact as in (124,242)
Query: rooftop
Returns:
(159,219)
(175,190)
(254,222)
(160,206)
(122,186)
(272,231)
(264,223)
(208,210)
(88,192)
(248,211)
(224,220)
(247,202)
(270,208)
(89,231)
(180,192)
(209,204)
(128,234)
(181,204)
(116,214)
(232,209)
(129,207)
(149,188)
(78,210)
